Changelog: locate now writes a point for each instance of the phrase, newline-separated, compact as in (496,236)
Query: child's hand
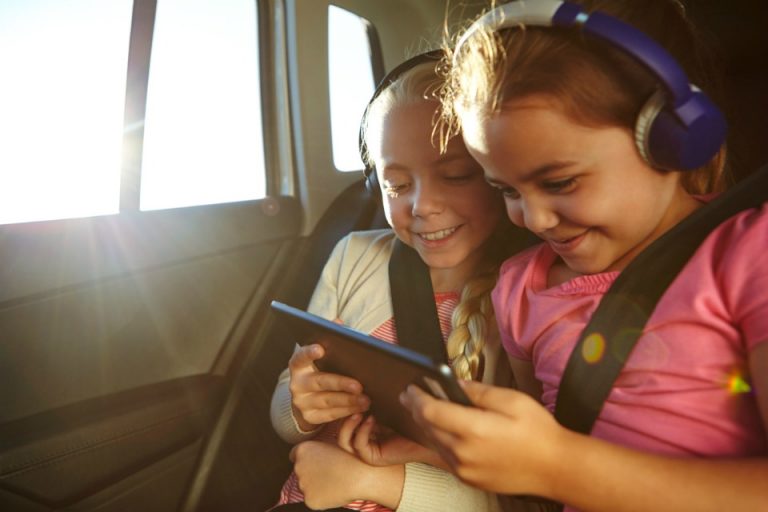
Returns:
(318,397)
(508,443)
(377,445)
(330,477)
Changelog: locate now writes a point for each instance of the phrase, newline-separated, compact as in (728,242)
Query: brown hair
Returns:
(593,82)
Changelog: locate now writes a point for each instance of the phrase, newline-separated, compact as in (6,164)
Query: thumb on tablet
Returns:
(477,392)
(494,398)
(305,356)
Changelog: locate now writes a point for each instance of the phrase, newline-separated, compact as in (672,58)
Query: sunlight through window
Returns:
(202,140)
(62,100)
(350,83)
(62,97)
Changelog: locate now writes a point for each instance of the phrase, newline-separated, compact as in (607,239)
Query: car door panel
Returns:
(108,361)
(60,456)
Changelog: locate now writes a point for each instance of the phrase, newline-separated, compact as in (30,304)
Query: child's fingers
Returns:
(346,432)
(326,406)
(320,416)
(331,400)
(443,441)
(320,381)
(445,420)
(493,398)
(303,358)
(362,439)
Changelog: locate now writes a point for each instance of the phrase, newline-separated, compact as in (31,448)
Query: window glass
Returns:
(350,83)
(62,96)
(203,137)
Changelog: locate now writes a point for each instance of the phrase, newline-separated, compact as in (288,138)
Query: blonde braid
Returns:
(471,321)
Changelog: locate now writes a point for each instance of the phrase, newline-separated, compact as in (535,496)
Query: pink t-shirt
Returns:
(682,391)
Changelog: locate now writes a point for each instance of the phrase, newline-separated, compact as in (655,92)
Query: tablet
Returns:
(384,369)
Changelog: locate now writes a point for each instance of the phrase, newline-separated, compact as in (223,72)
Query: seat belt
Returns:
(413,303)
(417,323)
(413,298)
(623,312)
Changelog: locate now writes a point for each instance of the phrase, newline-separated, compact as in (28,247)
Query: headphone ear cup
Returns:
(681,140)
(644,123)
(372,182)
(696,139)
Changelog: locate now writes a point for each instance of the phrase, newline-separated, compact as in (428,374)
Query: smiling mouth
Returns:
(438,235)
(567,243)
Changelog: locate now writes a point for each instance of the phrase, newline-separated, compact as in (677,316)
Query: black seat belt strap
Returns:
(413,303)
(618,322)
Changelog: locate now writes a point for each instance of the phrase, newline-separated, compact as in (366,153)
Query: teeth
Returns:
(438,235)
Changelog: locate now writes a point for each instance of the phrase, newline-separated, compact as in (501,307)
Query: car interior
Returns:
(138,352)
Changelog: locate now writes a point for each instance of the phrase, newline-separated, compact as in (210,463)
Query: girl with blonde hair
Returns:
(439,205)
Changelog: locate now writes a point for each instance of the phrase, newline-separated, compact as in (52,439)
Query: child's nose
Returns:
(538,216)
(427,200)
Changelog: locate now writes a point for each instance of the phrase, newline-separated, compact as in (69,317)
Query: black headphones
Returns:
(434,56)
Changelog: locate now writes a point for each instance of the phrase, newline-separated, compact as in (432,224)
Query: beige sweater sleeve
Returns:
(429,489)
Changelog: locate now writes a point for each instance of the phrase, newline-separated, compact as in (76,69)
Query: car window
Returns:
(203,139)
(61,107)
(62,122)
(350,83)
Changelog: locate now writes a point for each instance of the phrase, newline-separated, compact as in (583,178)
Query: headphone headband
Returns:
(695,128)
(431,56)
(549,13)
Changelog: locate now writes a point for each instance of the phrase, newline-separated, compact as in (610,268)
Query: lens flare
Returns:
(593,348)
(737,384)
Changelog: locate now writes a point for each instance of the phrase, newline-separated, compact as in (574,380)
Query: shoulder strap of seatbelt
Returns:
(413,303)
(618,322)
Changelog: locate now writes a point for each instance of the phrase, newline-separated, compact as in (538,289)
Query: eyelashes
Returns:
(560,185)
(563,186)
(395,190)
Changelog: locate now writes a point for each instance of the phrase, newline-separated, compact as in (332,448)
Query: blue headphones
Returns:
(433,56)
(678,128)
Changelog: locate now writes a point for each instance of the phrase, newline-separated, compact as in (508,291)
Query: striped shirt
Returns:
(291,493)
